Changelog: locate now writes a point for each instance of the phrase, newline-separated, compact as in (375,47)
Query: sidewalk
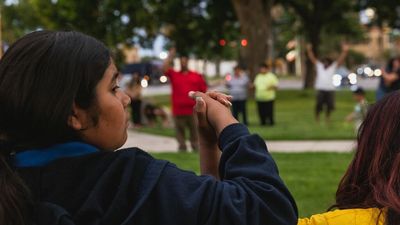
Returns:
(155,143)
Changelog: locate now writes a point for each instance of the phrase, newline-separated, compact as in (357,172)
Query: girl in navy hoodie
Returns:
(62,117)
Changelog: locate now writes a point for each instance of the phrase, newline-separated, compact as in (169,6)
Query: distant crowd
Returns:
(239,86)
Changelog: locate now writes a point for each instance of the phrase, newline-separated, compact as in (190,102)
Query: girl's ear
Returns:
(78,118)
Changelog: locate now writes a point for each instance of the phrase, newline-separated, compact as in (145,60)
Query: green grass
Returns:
(312,178)
(294,113)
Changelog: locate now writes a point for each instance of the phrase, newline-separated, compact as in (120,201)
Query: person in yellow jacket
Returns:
(371,216)
(369,192)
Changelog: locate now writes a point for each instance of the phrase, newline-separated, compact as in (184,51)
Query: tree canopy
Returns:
(210,29)
(324,17)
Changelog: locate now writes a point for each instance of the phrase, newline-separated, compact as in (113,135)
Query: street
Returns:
(284,84)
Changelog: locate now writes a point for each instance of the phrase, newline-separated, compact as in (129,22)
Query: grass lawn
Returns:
(294,113)
(312,178)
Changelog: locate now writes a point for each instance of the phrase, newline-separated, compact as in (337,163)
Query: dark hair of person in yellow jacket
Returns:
(369,192)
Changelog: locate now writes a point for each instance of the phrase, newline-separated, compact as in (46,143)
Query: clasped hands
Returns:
(212,110)
(212,114)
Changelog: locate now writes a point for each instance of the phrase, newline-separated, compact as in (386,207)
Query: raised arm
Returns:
(209,151)
(343,54)
(168,61)
(249,192)
(310,54)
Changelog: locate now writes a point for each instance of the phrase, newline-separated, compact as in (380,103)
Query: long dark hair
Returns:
(373,177)
(41,76)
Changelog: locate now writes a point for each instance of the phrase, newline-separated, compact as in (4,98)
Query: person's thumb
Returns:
(200,109)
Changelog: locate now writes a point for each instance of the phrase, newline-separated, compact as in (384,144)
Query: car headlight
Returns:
(336,80)
(377,72)
(163,79)
(144,83)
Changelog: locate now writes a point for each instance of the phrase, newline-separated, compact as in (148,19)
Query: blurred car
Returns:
(368,71)
(149,72)
(344,78)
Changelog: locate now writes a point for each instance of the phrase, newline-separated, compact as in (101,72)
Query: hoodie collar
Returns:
(44,156)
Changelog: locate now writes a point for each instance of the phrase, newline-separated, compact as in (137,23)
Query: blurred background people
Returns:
(325,68)
(134,90)
(390,79)
(183,81)
(266,84)
(154,112)
(238,86)
(360,108)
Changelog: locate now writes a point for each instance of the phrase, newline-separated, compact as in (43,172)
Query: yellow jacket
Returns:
(346,217)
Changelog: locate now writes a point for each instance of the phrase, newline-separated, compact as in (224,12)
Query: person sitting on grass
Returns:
(152,112)
(62,117)
(368,193)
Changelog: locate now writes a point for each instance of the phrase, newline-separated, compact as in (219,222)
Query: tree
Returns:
(114,22)
(179,22)
(318,16)
(255,25)
(220,33)
(194,26)
(200,28)
(386,11)
(17,19)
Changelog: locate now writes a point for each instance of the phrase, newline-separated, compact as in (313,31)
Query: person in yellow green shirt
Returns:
(266,84)
(369,192)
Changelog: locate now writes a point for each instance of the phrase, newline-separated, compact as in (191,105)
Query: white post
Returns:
(298,60)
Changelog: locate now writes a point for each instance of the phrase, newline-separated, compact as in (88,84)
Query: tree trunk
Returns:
(309,75)
(313,28)
(255,24)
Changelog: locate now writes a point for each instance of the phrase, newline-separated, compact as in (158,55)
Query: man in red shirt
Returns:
(182,82)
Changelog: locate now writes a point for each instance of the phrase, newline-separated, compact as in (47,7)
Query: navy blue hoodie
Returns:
(130,187)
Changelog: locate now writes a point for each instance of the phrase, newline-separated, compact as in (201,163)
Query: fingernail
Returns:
(191,94)
(199,103)
(228,103)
